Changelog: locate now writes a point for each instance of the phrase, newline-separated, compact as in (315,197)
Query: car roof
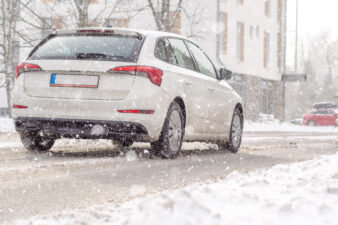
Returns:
(122,31)
(325,105)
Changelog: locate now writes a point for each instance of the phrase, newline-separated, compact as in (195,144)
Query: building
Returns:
(255,52)
(3,103)
(247,37)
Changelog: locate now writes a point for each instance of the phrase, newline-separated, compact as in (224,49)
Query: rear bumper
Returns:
(72,109)
(85,129)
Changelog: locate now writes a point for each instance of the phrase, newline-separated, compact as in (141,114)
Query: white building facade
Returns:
(245,36)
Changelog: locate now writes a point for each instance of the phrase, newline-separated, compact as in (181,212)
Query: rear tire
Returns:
(236,132)
(169,145)
(35,142)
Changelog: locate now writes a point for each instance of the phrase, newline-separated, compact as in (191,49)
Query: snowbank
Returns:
(275,125)
(6,125)
(300,193)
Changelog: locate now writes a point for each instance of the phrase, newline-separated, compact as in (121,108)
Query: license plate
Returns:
(80,81)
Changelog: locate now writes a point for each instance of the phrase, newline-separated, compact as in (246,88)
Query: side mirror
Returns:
(225,74)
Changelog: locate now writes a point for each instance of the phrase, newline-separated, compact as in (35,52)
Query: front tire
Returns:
(35,142)
(311,123)
(170,142)
(236,132)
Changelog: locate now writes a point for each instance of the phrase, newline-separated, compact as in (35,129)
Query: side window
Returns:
(161,50)
(171,55)
(205,66)
(323,112)
(181,54)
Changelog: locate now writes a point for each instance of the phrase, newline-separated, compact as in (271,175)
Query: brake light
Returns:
(19,106)
(155,75)
(136,111)
(26,67)
(96,31)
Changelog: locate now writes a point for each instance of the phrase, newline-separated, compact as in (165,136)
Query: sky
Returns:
(315,16)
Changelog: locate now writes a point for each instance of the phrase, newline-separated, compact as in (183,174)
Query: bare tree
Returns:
(320,65)
(161,12)
(9,14)
(195,16)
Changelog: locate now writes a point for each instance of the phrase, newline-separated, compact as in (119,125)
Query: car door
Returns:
(218,94)
(195,91)
(321,117)
(330,118)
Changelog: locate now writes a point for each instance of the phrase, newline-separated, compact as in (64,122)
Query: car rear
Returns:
(87,83)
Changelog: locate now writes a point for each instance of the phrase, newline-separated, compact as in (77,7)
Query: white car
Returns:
(124,85)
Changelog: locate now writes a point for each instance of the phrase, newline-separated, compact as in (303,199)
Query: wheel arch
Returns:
(240,108)
(180,101)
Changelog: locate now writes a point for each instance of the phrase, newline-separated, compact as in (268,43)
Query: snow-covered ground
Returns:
(275,125)
(268,123)
(6,125)
(300,193)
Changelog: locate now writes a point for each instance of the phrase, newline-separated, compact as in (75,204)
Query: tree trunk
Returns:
(163,18)
(9,13)
(82,9)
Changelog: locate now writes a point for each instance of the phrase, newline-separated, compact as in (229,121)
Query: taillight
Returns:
(154,74)
(26,67)
(19,106)
(136,111)
(124,69)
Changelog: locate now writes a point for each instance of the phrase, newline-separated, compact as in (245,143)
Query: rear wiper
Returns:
(81,55)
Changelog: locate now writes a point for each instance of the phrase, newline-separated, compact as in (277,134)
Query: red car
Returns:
(322,114)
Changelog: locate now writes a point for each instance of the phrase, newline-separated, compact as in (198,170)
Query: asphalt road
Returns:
(78,174)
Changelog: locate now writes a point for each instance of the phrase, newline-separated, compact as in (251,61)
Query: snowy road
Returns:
(79,174)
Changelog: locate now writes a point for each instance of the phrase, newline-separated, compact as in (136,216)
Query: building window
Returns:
(266,98)
(57,22)
(279,51)
(268,8)
(46,26)
(225,33)
(279,12)
(257,31)
(266,49)
(237,83)
(240,2)
(117,22)
(251,32)
(50,23)
(176,28)
(240,42)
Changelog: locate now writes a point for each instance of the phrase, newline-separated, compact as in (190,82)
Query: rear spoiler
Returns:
(102,30)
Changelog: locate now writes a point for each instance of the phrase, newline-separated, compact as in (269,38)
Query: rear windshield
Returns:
(90,47)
